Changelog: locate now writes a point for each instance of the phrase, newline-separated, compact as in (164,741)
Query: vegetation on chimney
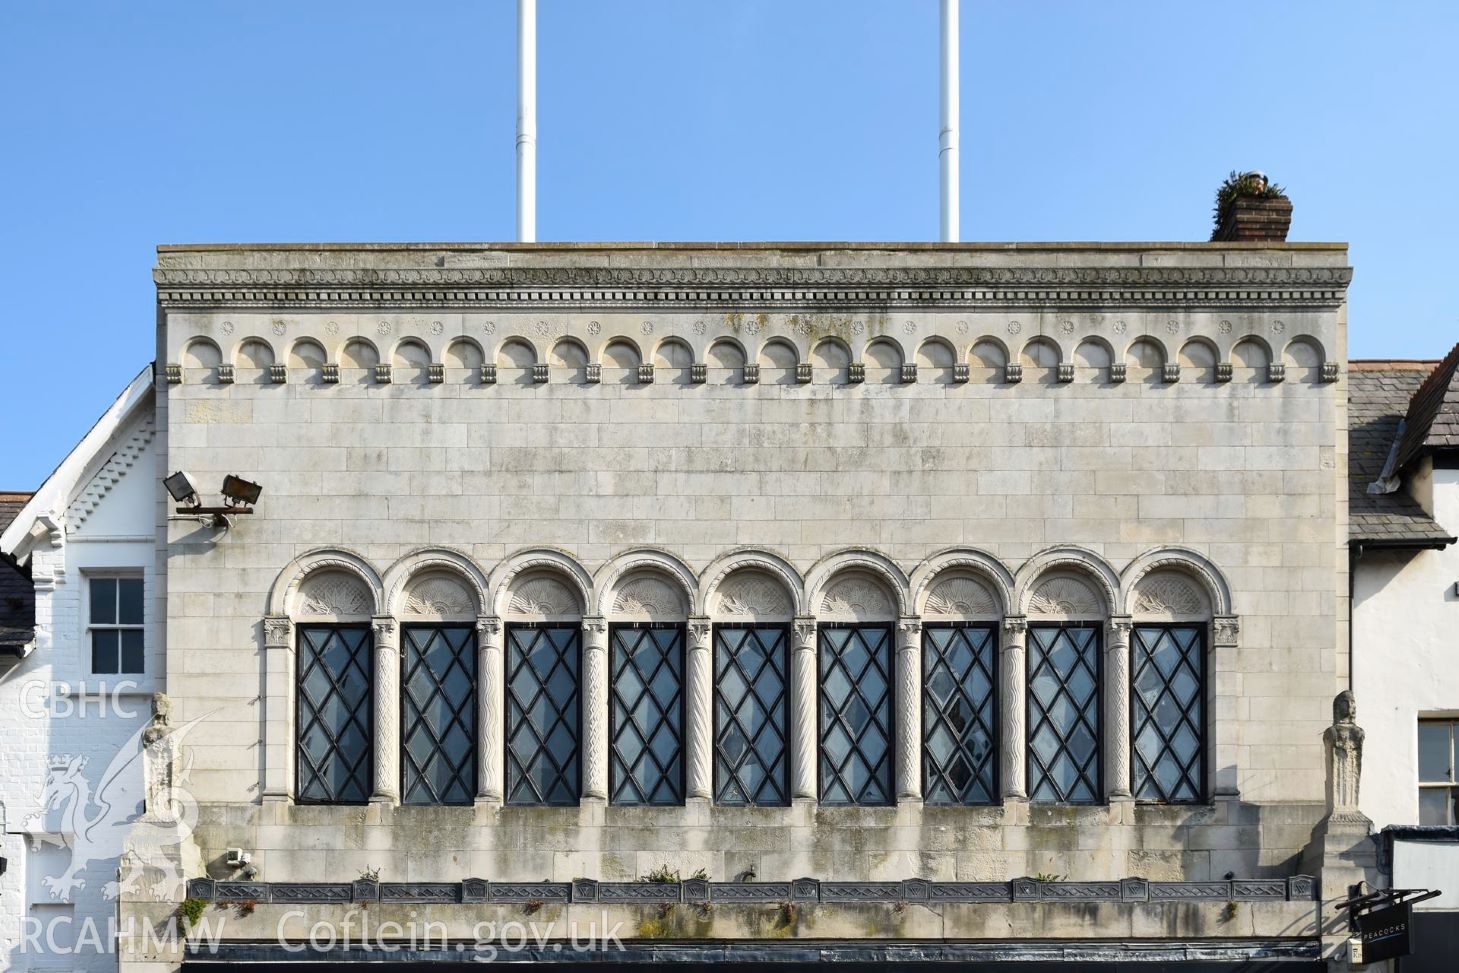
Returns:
(1245,185)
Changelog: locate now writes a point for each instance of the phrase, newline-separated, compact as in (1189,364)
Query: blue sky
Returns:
(125,125)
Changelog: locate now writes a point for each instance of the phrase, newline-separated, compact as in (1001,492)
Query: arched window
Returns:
(1065,689)
(752,612)
(334,725)
(856,721)
(646,661)
(1168,689)
(543,664)
(960,696)
(438,694)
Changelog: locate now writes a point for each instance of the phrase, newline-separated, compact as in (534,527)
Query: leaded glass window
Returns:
(1064,714)
(543,706)
(1167,712)
(438,714)
(856,726)
(959,714)
(750,715)
(646,715)
(335,719)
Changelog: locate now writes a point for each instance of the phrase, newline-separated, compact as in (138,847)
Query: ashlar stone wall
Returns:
(1011,433)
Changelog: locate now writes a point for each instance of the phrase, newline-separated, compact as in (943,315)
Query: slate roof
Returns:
(17,595)
(1433,415)
(1379,397)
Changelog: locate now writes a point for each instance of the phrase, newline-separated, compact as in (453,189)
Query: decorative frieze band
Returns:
(765,287)
(1298,888)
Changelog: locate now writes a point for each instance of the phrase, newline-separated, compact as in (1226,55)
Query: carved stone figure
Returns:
(1343,742)
(157,756)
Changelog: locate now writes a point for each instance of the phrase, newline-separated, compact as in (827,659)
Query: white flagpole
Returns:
(526,121)
(948,138)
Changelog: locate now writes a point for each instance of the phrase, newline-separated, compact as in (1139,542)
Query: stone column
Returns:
(1117,742)
(490,711)
(595,708)
(387,711)
(699,711)
(908,675)
(1221,750)
(278,710)
(803,688)
(1014,690)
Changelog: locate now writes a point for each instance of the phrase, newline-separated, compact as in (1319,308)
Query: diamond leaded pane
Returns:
(856,714)
(1167,712)
(1063,714)
(542,714)
(335,724)
(959,714)
(438,714)
(646,715)
(750,718)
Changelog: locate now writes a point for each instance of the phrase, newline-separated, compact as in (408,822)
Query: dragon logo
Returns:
(136,814)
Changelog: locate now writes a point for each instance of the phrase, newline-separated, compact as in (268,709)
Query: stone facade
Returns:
(807,434)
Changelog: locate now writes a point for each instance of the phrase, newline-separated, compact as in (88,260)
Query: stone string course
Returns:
(1295,889)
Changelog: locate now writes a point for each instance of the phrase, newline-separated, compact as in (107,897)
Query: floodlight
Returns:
(237,490)
(182,488)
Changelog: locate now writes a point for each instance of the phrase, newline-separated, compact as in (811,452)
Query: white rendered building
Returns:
(1404,496)
(74,700)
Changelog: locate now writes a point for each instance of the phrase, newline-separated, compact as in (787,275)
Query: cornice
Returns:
(766,287)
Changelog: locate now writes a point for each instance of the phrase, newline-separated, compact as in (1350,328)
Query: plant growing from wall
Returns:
(190,911)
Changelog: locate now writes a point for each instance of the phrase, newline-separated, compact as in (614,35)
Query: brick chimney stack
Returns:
(1256,211)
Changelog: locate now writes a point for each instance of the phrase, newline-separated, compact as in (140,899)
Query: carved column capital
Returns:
(909,633)
(1117,631)
(489,632)
(1226,631)
(386,632)
(278,632)
(699,630)
(803,630)
(1015,629)
(595,632)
